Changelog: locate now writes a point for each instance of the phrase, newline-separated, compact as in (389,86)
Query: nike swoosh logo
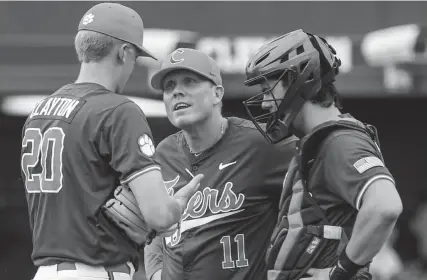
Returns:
(189,224)
(222,166)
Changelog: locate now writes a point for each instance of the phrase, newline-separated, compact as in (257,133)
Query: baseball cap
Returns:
(117,21)
(188,59)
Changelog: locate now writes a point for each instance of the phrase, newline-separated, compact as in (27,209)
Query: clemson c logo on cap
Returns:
(173,60)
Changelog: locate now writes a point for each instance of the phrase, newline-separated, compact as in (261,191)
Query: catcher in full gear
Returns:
(339,202)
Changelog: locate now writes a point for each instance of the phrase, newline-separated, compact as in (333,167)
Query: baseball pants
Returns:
(79,271)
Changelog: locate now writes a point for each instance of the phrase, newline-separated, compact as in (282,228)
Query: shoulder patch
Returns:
(146,145)
(367,163)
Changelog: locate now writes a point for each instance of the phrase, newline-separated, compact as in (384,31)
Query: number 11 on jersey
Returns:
(241,261)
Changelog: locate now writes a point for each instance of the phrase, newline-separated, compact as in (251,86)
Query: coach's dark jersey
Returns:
(227,224)
(348,163)
(78,145)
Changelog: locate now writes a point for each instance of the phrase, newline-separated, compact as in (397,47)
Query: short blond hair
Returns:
(93,46)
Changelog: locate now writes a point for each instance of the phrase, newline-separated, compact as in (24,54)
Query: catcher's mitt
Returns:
(123,211)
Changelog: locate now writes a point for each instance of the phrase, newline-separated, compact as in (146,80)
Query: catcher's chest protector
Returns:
(302,228)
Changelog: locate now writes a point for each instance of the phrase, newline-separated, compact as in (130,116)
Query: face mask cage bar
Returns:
(268,123)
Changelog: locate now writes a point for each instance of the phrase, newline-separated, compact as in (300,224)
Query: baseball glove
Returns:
(123,211)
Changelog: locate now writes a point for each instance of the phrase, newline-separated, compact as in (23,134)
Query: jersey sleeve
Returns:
(153,257)
(351,164)
(130,142)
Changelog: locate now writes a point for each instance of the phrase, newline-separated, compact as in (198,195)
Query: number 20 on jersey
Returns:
(41,160)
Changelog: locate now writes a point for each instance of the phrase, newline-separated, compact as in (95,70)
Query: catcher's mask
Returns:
(304,62)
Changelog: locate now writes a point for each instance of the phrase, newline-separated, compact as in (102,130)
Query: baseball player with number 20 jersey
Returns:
(84,148)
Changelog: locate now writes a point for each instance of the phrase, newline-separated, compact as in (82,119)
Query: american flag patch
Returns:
(367,163)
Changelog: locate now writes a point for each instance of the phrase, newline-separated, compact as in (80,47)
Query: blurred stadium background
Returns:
(383,81)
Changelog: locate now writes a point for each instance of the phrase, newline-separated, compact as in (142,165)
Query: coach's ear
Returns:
(219,94)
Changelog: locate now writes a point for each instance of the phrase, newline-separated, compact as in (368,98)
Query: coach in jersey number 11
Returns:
(227,224)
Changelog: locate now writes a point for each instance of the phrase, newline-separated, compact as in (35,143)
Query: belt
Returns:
(122,268)
(73,270)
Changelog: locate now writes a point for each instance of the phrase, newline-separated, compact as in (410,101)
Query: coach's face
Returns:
(189,98)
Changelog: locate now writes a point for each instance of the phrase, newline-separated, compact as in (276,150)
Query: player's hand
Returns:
(317,274)
(323,274)
(168,232)
(186,192)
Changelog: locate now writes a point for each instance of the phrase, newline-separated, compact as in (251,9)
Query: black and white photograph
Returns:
(213,140)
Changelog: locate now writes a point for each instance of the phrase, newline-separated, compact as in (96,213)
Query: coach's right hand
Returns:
(186,192)
(168,232)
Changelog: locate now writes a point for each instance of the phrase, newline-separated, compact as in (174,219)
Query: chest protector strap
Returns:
(303,228)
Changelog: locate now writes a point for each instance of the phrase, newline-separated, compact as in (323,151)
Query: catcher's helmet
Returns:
(308,62)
